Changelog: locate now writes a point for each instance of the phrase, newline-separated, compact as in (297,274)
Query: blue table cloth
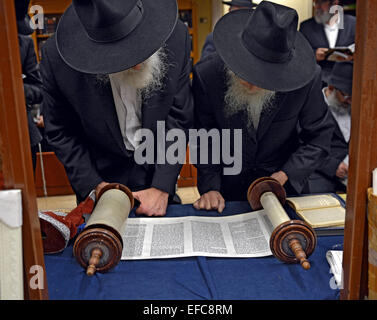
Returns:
(197,278)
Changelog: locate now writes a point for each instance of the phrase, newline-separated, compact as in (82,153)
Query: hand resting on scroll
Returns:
(280,176)
(153,202)
(211,200)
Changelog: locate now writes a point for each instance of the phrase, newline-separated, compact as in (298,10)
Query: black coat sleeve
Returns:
(30,68)
(338,152)
(316,129)
(208,47)
(180,116)
(63,131)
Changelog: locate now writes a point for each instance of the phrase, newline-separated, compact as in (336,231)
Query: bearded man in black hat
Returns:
(209,46)
(332,175)
(112,68)
(263,80)
(325,31)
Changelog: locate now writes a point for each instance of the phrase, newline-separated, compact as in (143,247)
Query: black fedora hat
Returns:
(241,3)
(23,19)
(109,36)
(263,47)
(341,77)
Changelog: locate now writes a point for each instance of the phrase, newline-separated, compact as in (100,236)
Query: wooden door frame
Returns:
(15,152)
(363,152)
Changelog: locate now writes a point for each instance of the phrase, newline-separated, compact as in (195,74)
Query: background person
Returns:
(332,175)
(31,75)
(323,32)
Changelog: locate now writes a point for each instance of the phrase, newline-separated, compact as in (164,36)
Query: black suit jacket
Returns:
(324,178)
(32,83)
(208,47)
(315,34)
(275,145)
(82,124)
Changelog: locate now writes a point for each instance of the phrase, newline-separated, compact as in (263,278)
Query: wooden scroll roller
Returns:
(292,241)
(99,246)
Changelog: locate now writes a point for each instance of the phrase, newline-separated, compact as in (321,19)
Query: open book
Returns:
(319,211)
(334,54)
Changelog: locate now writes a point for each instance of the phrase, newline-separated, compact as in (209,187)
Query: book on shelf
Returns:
(50,24)
(323,212)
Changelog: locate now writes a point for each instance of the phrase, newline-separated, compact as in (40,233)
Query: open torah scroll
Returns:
(243,236)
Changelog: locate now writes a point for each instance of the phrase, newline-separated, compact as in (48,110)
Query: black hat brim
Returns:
(283,77)
(240,3)
(85,55)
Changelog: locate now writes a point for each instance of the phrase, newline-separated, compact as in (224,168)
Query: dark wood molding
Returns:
(15,150)
(363,152)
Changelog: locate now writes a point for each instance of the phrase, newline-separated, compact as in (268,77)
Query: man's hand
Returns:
(40,122)
(342,170)
(320,54)
(212,200)
(99,188)
(153,202)
(280,176)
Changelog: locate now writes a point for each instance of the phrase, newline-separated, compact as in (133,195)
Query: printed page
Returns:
(326,217)
(314,202)
(243,235)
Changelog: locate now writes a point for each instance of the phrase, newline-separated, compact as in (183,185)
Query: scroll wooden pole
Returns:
(99,247)
(292,241)
(15,151)
(363,152)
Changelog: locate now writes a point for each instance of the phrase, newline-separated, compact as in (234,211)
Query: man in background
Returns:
(332,175)
(209,46)
(324,31)
(30,74)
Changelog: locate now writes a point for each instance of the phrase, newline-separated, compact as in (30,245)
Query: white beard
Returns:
(336,105)
(146,80)
(240,98)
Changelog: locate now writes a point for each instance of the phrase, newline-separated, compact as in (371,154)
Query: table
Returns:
(197,278)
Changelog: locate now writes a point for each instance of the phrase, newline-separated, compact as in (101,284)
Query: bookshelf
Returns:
(52,11)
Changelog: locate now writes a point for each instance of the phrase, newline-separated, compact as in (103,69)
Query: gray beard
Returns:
(337,106)
(147,80)
(322,17)
(239,98)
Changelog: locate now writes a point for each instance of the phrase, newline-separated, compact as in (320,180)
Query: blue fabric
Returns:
(197,278)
